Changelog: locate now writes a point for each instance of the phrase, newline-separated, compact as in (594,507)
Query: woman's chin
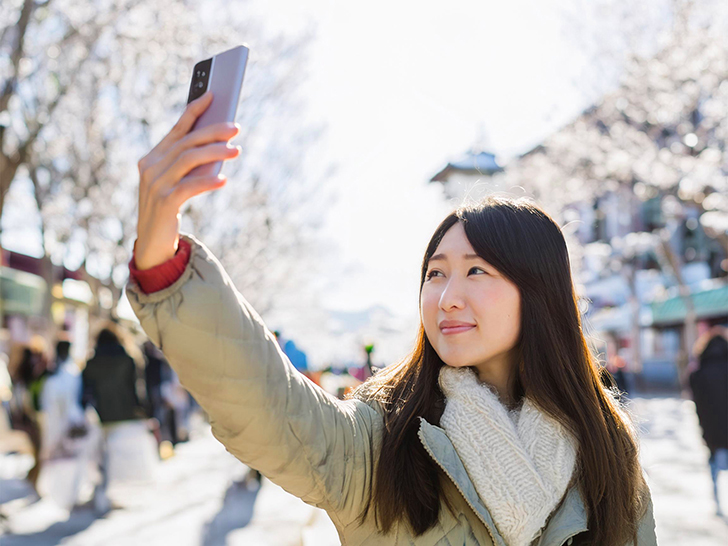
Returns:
(457,364)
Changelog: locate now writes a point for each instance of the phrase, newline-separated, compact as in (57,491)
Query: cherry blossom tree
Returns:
(659,137)
(87,88)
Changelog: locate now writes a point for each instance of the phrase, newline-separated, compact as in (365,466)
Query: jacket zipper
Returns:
(432,456)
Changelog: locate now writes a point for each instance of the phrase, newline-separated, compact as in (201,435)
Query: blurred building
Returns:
(633,282)
(470,176)
(38,297)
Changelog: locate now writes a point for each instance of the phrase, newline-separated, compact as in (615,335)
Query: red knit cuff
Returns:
(163,275)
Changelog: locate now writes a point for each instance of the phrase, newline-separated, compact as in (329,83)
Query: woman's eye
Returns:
(432,274)
(477,269)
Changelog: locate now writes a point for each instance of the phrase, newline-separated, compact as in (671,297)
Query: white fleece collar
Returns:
(519,462)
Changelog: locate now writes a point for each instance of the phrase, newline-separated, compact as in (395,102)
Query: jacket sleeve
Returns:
(266,413)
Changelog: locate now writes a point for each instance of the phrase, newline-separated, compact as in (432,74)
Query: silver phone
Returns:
(223,75)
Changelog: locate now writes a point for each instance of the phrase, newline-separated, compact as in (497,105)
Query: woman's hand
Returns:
(163,188)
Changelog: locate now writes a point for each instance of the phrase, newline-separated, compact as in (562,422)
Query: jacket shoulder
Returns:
(369,402)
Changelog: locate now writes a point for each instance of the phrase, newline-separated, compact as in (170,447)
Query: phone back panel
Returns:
(225,82)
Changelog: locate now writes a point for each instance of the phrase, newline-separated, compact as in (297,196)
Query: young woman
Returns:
(494,431)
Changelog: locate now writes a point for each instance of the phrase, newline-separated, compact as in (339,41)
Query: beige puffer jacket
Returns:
(316,447)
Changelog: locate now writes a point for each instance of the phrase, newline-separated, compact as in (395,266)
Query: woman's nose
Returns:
(452,296)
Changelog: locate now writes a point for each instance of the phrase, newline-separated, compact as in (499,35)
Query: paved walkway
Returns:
(676,462)
(197,498)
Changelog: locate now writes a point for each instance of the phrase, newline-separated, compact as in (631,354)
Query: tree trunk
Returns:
(690,325)
(8,168)
(634,307)
(49,325)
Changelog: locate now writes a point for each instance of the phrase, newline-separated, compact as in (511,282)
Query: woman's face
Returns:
(471,313)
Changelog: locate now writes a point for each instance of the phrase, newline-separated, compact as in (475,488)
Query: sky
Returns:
(404,87)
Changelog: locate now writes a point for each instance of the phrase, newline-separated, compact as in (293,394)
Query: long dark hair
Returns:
(556,369)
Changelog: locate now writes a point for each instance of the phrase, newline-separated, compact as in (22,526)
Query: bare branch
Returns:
(17,54)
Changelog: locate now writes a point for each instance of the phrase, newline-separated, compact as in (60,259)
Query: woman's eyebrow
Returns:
(465,257)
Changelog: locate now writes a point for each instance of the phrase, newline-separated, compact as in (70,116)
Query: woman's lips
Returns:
(448,331)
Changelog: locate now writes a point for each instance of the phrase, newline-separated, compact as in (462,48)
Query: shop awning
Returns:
(21,293)
(711,303)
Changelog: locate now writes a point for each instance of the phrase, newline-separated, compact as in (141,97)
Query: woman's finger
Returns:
(193,111)
(194,157)
(220,132)
(195,185)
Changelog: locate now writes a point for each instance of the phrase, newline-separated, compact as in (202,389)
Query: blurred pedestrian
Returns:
(6,384)
(60,403)
(109,385)
(69,445)
(11,441)
(709,384)
(28,378)
(178,401)
(109,380)
(612,375)
(156,373)
(617,365)
(297,357)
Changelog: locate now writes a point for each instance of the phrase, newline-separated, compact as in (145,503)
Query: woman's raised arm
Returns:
(264,411)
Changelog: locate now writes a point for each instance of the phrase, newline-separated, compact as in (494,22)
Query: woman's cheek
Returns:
(429,311)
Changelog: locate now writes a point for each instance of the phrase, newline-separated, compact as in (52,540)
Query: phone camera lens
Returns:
(203,74)
(200,85)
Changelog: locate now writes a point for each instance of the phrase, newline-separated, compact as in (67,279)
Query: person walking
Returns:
(495,430)
(28,379)
(69,443)
(177,399)
(156,373)
(11,441)
(109,380)
(60,402)
(109,385)
(709,384)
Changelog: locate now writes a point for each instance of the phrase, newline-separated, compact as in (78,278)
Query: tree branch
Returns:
(17,54)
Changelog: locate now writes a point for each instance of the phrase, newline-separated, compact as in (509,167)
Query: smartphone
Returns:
(223,75)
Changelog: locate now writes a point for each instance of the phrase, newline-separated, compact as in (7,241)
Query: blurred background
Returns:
(363,125)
